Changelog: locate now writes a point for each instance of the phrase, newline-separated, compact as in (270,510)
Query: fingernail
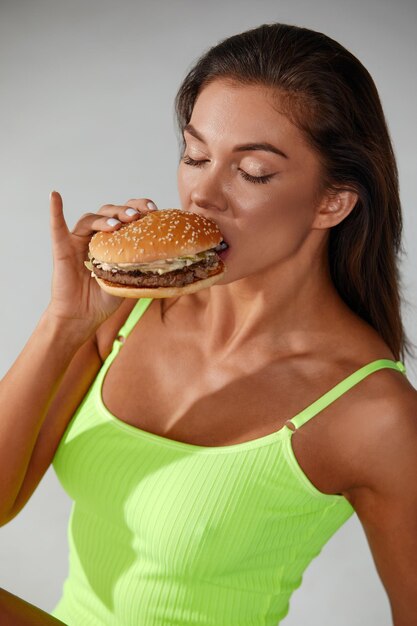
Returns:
(151,206)
(131,212)
(113,222)
(50,195)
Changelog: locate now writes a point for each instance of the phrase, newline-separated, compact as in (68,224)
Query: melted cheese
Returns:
(156,267)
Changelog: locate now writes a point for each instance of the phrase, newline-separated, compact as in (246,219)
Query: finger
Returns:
(111,217)
(132,210)
(89,223)
(123,213)
(142,204)
(58,225)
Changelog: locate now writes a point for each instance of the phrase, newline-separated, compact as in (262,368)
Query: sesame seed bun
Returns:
(158,235)
(164,254)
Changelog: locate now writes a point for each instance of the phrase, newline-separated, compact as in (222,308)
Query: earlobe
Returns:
(336,208)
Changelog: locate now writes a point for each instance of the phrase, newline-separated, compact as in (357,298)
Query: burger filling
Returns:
(175,272)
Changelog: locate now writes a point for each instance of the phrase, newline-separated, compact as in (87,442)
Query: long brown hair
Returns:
(332,98)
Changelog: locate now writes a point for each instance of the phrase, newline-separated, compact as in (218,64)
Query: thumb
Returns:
(59,228)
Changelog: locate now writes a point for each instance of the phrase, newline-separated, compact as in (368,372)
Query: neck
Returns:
(289,310)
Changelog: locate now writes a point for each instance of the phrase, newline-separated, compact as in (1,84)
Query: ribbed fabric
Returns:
(166,533)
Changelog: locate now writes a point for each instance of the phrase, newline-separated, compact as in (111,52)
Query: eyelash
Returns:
(252,179)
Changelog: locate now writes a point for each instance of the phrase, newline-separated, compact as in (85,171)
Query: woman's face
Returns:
(263,197)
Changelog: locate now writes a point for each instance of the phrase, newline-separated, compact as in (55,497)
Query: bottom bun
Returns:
(126,291)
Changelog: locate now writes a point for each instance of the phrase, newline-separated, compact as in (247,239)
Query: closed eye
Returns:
(252,179)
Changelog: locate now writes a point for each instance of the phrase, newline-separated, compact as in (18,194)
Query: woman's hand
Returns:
(75,294)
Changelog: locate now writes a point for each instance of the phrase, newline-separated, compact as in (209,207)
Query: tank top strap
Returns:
(133,317)
(341,388)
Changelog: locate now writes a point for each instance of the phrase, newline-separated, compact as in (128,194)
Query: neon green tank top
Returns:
(166,533)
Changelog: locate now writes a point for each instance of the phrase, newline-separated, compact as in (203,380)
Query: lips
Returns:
(223,245)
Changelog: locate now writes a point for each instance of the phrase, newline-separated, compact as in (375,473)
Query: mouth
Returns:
(222,249)
(223,245)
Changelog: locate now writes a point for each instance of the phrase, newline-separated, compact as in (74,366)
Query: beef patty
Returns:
(176,278)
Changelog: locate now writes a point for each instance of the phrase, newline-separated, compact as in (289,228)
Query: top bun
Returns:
(160,234)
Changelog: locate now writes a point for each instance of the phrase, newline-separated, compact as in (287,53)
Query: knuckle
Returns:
(106,207)
(137,202)
(85,216)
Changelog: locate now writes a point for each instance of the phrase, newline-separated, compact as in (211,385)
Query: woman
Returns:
(239,427)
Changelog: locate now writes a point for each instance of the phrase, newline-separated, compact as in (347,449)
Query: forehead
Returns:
(227,109)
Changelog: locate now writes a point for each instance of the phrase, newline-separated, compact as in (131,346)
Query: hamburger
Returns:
(163,254)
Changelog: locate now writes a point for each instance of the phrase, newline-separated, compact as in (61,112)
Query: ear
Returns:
(335,206)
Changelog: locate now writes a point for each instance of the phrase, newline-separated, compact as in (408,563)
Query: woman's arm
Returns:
(17,612)
(54,370)
(386,504)
(26,395)
(72,389)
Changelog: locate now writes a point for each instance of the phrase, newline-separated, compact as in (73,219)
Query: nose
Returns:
(207,194)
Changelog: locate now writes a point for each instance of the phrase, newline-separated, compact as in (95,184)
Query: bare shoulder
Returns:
(367,433)
(376,443)
(383,491)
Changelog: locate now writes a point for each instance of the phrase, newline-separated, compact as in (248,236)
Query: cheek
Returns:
(292,202)
(281,221)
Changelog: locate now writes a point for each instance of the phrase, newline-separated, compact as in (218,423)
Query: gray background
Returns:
(86,108)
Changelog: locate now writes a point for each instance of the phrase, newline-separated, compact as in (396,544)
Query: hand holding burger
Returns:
(163,254)
(76,300)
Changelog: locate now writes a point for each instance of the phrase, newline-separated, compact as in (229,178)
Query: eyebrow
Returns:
(266,147)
